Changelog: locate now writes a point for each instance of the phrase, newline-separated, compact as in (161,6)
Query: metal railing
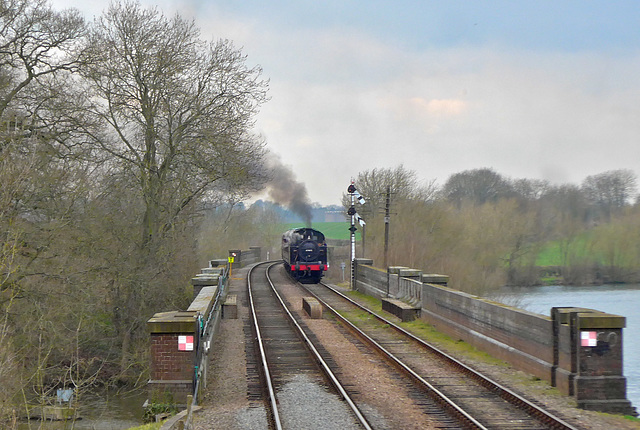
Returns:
(207,326)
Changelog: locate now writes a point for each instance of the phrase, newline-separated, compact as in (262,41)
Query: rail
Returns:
(542,415)
(310,347)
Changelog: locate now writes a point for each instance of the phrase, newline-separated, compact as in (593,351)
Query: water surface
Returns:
(103,411)
(619,299)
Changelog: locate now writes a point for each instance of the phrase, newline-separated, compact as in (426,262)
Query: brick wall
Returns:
(172,370)
(169,363)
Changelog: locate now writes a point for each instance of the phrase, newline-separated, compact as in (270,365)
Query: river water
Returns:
(102,411)
(614,299)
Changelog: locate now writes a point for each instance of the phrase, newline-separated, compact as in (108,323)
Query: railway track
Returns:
(475,400)
(446,393)
(301,389)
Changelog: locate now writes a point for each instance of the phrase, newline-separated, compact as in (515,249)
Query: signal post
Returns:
(355,195)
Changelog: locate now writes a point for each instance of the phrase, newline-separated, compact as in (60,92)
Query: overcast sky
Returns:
(533,89)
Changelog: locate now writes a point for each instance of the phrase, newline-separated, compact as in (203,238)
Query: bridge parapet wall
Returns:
(521,338)
(370,280)
(578,350)
(179,340)
(242,258)
(410,286)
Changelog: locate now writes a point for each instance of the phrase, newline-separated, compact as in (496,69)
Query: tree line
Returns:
(486,230)
(116,136)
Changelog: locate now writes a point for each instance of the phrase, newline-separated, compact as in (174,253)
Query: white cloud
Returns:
(525,116)
(343,101)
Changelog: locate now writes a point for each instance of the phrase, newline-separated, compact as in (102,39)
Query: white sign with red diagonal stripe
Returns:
(588,338)
(185,343)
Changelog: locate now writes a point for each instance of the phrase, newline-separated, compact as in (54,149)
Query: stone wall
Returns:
(370,280)
(519,337)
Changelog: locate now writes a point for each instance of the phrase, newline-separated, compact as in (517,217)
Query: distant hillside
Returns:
(331,230)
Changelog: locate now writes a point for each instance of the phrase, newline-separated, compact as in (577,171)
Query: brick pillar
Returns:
(599,383)
(172,356)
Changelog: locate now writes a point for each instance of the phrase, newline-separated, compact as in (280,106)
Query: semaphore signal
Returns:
(355,217)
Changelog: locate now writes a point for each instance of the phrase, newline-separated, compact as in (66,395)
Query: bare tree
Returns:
(477,186)
(402,183)
(610,191)
(35,42)
(178,110)
(530,189)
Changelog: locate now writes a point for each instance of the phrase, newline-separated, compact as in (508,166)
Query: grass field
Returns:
(552,253)
(331,230)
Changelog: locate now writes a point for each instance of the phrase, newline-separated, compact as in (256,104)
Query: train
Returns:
(304,252)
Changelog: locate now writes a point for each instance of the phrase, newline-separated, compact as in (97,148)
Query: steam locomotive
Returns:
(304,252)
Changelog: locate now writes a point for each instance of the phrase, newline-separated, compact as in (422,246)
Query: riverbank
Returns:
(576,274)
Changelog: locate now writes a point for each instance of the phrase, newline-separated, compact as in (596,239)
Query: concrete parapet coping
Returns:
(563,314)
(173,322)
(432,278)
(169,381)
(597,319)
(410,273)
(488,301)
(218,262)
(211,271)
(204,301)
(376,269)
(365,261)
(589,318)
(205,280)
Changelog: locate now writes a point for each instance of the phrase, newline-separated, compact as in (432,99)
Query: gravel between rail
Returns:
(226,406)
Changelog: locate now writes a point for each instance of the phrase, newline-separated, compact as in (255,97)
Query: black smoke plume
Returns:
(285,190)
